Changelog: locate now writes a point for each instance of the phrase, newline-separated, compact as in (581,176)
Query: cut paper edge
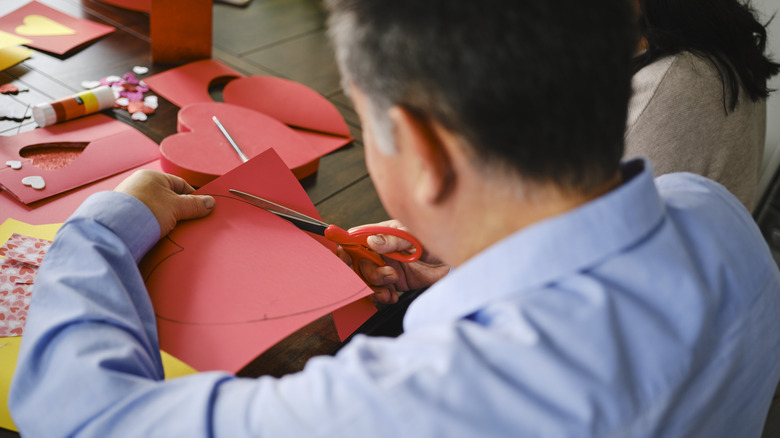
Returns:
(189,83)
(211,333)
(113,147)
(10,56)
(199,153)
(288,101)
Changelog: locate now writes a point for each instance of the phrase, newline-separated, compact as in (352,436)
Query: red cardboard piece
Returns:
(112,147)
(294,104)
(51,30)
(181,30)
(288,101)
(189,83)
(228,286)
(200,152)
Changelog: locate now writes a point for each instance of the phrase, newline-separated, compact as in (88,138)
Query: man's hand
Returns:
(168,197)
(387,281)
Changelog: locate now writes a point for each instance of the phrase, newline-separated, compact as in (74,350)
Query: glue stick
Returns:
(80,104)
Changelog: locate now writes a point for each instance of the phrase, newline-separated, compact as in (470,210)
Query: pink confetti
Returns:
(132,96)
(129,93)
(130,78)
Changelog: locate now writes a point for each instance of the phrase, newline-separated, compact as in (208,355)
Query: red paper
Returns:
(57,209)
(227,287)
(51,30)
(180,30)
(287,101)
(189,83)
(113,147)
(292,103)
(201,152)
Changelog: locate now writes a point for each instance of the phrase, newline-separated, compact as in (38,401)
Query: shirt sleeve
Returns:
(90,362)
(90,365)
(90,357)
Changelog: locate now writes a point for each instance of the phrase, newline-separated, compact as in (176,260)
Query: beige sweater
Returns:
(677,119)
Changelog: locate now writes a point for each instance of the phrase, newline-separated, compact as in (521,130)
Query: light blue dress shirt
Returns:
(648,312)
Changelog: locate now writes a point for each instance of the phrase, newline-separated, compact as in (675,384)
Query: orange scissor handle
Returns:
(355,243)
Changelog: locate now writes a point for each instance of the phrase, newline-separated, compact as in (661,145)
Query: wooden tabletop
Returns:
(284,38)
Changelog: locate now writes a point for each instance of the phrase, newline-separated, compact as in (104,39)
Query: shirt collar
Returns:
(547,251)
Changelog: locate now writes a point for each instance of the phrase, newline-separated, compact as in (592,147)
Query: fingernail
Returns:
(377,239)
(388,279)
(209,202)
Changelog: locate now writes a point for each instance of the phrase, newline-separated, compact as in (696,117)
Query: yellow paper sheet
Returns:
(10,352)
(8,355)
(11,226)
(10,56)
(9,39)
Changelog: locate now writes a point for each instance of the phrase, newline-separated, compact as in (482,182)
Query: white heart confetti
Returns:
(141,117)
(111,79)
(140,70)
(16,165)
(123,101)
(90,84)
(35,182)
(151,101)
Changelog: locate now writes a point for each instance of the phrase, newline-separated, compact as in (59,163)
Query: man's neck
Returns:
(484,216)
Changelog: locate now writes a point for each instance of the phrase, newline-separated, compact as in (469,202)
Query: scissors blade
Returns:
(300,220)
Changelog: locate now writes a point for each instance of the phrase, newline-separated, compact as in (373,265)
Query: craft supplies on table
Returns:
(71,107)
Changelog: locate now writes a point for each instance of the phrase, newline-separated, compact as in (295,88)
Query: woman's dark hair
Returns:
(726,32)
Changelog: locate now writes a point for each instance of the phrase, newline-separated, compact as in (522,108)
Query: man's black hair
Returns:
(539,87)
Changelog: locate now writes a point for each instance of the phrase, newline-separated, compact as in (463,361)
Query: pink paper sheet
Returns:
(227,287)
(40,23)
(113,147)
(57,209)
(23,255)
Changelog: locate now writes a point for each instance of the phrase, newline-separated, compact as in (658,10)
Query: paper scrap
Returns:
(9,39)
(10,56)
(25,249)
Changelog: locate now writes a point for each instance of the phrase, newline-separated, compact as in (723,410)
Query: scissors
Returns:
(353,241)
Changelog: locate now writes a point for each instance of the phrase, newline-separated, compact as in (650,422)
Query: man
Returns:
(585,300)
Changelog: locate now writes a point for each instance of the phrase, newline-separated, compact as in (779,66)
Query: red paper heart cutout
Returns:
(292,103)
(288,101)
(200,152)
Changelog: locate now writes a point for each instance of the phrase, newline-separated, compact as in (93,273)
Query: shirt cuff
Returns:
(124,215)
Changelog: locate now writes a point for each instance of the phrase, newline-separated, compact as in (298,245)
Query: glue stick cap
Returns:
(44,114)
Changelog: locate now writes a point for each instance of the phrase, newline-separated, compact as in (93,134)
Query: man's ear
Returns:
(425,153)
